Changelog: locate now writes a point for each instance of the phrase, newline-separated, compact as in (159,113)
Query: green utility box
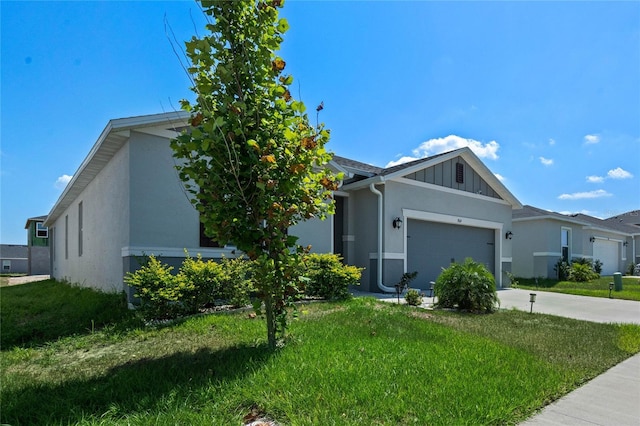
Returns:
(617,281)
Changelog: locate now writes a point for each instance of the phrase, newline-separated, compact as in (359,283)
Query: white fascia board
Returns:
(337,167)
(362,184)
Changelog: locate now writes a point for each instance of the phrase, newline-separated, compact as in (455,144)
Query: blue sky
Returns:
(546,93)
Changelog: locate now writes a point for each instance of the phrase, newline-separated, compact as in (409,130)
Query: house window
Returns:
(41,230)
(459,173)
(6,266)
(565,242)
(66,237)
(206,241)
(80,229)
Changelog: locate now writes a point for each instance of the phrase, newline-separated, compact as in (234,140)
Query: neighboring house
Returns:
(37,246)
(126,201)
(13,258)
(541,238)
(628,218)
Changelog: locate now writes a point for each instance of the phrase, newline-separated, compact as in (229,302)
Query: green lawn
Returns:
(357,362)
(596,288)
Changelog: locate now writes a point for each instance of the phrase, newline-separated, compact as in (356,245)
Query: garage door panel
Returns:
(607,252)
(433,246)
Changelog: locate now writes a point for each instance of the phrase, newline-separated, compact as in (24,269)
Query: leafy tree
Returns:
(251,160)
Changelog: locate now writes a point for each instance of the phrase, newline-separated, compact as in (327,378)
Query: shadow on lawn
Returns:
(36,313)
(138,386)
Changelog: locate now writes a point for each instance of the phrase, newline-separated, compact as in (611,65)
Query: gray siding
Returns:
(316,233)
(161,214)
(444,174)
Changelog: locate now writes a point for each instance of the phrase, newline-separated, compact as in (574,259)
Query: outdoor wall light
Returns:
(397,223)
(508,235)
(592,239)
(626,243)
(532,300)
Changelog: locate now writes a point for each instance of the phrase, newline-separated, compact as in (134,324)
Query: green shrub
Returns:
(413,297)
(207,280)
(161,293)
(406,278)
(467,286)
(581,272)
(562,269)
(237,285)
(597,266)
(328,277)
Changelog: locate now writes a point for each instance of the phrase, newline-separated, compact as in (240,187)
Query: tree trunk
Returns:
(271,321)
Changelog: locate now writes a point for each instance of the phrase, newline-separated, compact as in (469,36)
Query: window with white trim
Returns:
(41,230)
(565,243)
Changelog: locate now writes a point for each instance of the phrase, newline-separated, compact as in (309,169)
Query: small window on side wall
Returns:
(459,173)
(41,230)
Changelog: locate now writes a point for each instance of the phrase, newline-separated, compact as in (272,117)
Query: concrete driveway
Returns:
(594,309)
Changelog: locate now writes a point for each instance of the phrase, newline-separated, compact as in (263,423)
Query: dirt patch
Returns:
(421,315)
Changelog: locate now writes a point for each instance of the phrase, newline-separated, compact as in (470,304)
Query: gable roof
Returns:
(34,219)
(628,218)
(534,213)
(380,175)
(356,167)
(112,138)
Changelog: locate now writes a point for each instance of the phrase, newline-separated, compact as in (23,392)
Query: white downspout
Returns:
(381,286)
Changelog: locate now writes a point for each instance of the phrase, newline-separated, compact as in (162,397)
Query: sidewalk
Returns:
(612,398)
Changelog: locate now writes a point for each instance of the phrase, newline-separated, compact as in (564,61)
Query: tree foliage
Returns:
(253,163)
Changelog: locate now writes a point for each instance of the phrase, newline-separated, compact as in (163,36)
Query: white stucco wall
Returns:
(105,209)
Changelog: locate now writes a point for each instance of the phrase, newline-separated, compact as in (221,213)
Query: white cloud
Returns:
(451,142)
(619,173)
(587,212)
(62,181)
(400,160)
(584,195)
(500,177)
(552,141)
(546,161)
(595,179)
(591,139)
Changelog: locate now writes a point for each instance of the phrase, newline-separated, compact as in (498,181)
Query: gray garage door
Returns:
(607,252)
(432,246)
